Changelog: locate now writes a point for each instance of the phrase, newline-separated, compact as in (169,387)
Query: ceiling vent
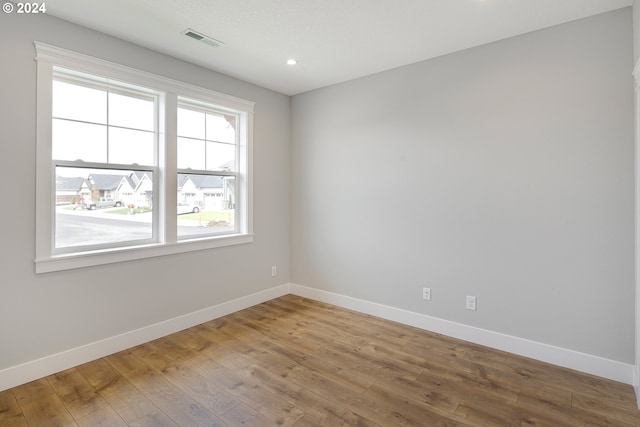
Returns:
(202,38)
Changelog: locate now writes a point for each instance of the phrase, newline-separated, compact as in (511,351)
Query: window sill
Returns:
(111,256)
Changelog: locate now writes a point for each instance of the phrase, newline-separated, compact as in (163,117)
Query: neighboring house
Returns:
(135,189)
(206,191)
(126,191)
(70,190)
(103,185)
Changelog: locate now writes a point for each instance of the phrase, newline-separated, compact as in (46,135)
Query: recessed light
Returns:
(292,61)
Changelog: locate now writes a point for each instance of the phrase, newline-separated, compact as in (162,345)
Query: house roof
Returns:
(105,181)
(68,183)
(200,181)
(133,180)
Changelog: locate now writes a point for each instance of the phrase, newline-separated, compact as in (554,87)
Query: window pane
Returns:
(221,128)
(190,153)
(130,112)
(206,205)
(221,156)
(191,123)
(71,101)
(130,146)
(97,207)
(79,141)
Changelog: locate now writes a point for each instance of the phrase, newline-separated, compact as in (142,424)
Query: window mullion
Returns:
(168,167)
(108,127)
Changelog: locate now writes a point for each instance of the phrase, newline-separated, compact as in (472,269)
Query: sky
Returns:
(106,125)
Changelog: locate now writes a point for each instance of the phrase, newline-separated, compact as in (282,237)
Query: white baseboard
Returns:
(636,383)
(32,370)
(594,365)
(29,371)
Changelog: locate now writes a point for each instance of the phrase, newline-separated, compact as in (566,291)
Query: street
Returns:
(79,230)
(83,227)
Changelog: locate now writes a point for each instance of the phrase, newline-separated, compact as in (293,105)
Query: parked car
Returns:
(102,202)
(185,208)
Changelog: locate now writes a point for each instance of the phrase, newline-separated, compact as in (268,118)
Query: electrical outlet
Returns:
(274,270)
(426,294)
(471,303)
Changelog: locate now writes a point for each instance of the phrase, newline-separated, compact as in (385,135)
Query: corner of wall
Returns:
(636,75)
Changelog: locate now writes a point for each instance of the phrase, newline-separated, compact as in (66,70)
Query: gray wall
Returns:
(504,171)
(45,314)
(636,32)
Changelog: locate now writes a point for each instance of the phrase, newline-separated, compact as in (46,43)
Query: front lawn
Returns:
(127,211)
(209,216)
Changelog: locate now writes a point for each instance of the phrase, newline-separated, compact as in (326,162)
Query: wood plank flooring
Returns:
(297,362)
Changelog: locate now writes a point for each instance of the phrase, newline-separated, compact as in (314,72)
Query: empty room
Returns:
(319,213)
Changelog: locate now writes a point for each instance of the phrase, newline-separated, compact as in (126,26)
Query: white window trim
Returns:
(47,57)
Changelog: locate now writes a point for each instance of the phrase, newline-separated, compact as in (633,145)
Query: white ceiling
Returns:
(334,40)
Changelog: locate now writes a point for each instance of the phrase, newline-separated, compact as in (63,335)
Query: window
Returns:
(99,133)
(133,165)
(207,163)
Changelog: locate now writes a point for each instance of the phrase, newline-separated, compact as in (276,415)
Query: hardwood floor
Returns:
(296,362)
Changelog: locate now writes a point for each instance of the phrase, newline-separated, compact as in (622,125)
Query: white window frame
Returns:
(197,105)
(46,260)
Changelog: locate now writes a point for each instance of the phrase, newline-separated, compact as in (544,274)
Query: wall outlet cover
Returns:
(471,303)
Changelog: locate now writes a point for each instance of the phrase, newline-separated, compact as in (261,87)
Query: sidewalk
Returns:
(139,217)
(104,213)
